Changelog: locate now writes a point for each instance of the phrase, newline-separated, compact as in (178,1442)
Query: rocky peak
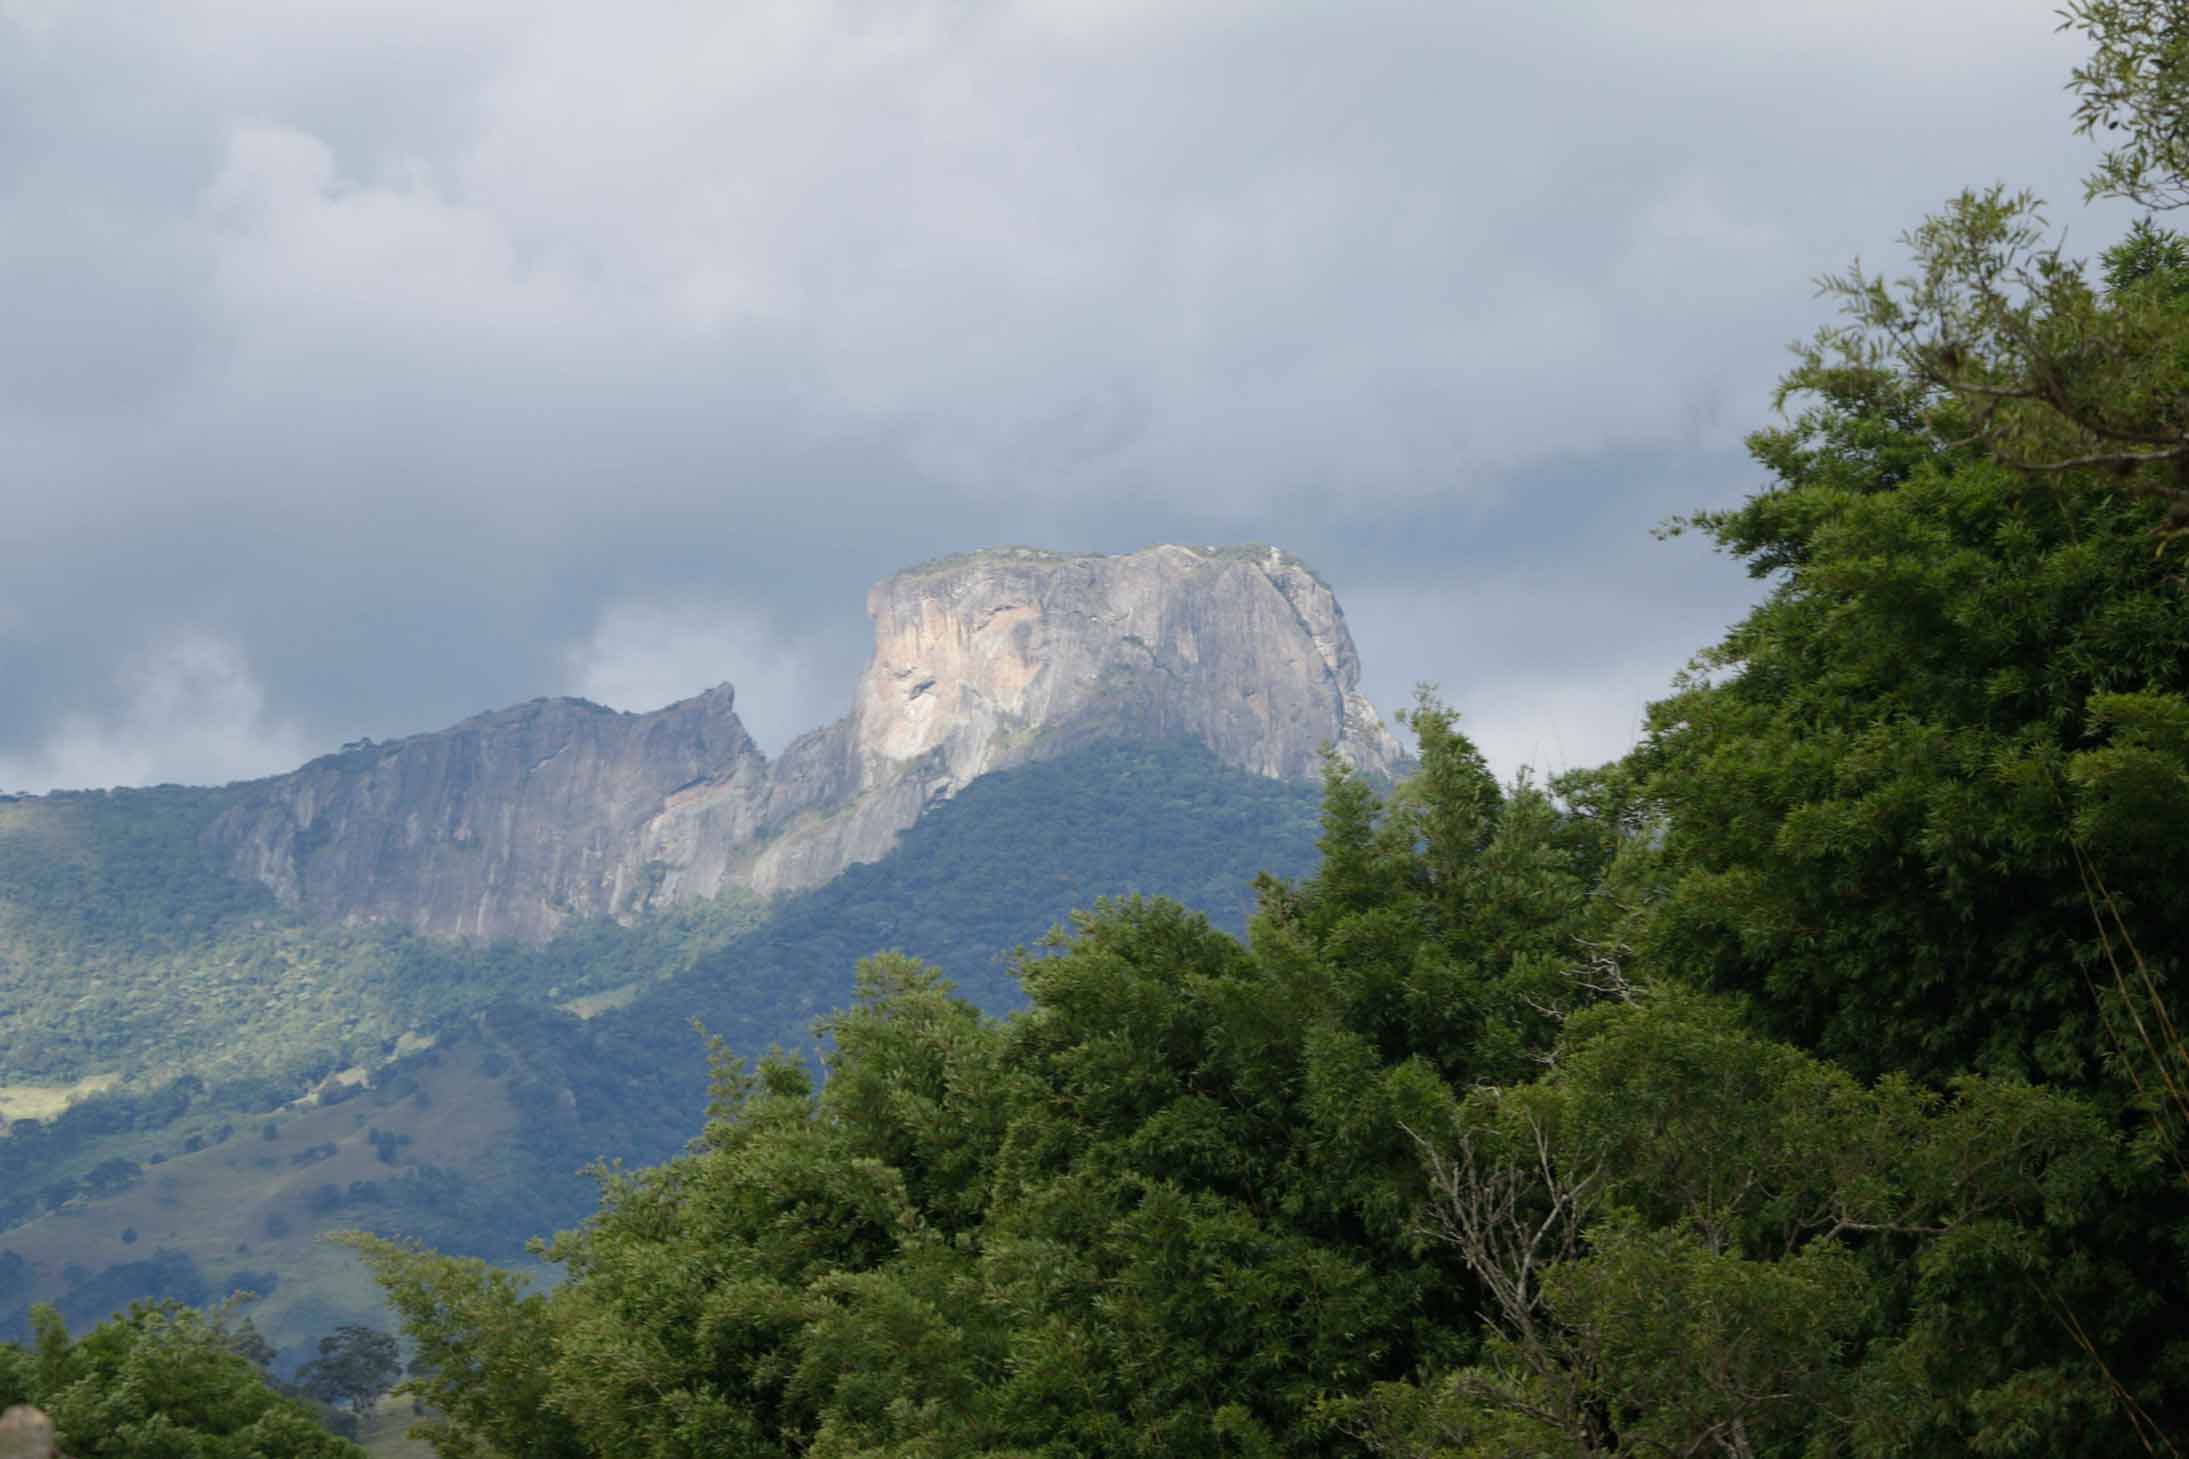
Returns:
(508,823)
(1242,648)
(501,826)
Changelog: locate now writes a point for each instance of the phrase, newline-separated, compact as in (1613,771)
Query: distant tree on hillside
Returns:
(356,1364)
(248,1343)
(112,1177)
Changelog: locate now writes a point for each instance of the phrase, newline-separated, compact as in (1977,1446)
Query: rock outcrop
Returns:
(499,827)
(25,1433)
(509,823)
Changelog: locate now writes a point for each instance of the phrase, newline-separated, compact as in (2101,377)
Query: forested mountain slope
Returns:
(993,868)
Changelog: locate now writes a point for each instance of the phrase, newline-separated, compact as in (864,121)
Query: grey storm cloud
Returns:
(366,365)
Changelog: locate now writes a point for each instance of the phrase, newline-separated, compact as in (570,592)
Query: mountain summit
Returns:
(512,822)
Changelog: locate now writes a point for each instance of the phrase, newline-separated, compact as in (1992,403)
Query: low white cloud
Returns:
(642,655)
(188,709)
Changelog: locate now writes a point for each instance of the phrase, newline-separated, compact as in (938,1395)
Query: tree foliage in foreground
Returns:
(1166,1209)
(1414,1167)
(1922,810)
(2059,375)
(1886,791)
(1695,1241)
(160,1381)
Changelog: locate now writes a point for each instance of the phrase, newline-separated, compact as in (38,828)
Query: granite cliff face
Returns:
(501,826)
(509,823)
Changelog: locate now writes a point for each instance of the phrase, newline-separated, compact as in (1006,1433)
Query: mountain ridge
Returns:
(513,822)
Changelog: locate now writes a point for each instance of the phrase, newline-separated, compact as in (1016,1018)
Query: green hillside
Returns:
(181,1162)
(995,868)
(126,954)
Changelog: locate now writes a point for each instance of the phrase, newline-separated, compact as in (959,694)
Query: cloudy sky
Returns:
(368,363)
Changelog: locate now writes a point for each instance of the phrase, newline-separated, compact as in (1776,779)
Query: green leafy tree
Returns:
(1695,1241)
(356,1364)
(1909,802)
(1922,807)
(248,1343)
(2056,374)
(112,1177)
(481,1348)
(703,1296)
(158,1382)
(1879,791)
(2135,86)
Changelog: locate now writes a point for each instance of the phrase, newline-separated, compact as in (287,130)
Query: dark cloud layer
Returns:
(367,365)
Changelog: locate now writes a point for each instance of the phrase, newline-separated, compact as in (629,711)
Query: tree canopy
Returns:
(1431,1163)
(161,1381)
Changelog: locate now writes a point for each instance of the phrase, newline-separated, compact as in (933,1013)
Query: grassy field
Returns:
(593,1005)
(383,1432)
(44,1101)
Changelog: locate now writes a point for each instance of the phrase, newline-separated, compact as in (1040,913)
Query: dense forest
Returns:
(1809,1081)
